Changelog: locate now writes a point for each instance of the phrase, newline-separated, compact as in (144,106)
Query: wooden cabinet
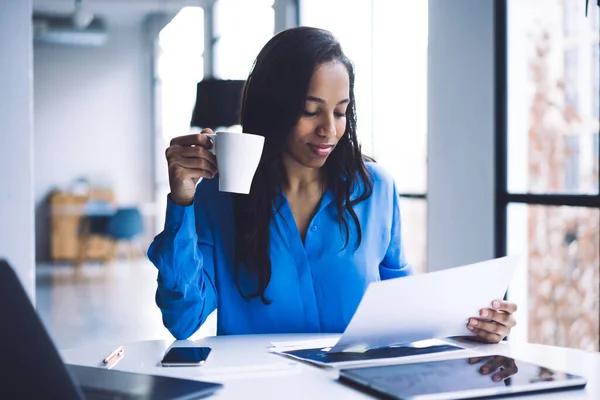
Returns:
(66,212)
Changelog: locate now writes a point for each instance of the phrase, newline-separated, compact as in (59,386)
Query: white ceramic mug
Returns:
(238,155)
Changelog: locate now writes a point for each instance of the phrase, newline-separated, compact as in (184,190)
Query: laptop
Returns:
(462,378)
(33,369)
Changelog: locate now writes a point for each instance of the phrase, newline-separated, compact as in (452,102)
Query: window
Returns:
(572,12)
(387,42)
(241,29)
(414,234)
(548,206)
(595,63)
(596,155)
(571,163)
(570,79)
(547,102)
(179,66)
(563,253)
(594,16)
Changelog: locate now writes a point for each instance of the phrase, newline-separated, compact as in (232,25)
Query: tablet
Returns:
(323,356)
(463,378)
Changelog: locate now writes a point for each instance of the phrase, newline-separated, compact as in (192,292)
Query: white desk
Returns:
(248,371)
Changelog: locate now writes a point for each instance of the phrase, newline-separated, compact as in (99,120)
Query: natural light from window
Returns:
(180,67)
(387,42)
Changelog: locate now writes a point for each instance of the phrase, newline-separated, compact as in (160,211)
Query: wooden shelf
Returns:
(66,212)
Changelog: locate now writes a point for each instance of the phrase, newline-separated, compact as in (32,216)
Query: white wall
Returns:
(16,140)
(93,116)
(461,132)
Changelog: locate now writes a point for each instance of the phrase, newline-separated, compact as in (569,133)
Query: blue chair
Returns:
(120,225)
(94,221)
(126,224)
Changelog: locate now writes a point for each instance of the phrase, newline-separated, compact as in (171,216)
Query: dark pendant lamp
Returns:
(218,103)
(587,3)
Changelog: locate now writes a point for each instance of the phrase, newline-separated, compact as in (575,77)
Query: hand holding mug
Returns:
(189,159)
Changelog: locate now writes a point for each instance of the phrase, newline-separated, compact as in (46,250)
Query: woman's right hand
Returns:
(189,160)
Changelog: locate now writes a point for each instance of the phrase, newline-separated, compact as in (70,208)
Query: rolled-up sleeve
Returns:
(184,256)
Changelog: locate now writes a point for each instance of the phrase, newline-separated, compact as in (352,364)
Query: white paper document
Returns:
(433,305)
(305,344)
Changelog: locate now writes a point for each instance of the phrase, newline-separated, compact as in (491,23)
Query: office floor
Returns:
(112,303)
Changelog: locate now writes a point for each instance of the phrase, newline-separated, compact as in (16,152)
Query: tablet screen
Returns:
(462,378)
(324,356)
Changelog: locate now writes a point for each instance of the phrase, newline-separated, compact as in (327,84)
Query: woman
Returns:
(320,223)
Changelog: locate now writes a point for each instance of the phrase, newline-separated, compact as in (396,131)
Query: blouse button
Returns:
(314,228)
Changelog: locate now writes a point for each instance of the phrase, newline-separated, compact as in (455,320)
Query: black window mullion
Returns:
(419,196)
(555,199)
(500,118)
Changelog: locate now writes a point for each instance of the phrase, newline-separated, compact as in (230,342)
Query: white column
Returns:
(16,140)
(286,14)
(461,132)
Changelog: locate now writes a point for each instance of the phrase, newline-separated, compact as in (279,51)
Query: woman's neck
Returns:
(300,179)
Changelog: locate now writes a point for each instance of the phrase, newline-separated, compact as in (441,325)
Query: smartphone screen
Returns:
(185,356)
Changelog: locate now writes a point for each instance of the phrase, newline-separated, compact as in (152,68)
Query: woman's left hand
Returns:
(494,324)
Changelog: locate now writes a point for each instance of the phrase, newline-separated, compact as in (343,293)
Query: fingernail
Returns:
(473,322)
(496,304)
(484,370)
(484,313)
(496,378)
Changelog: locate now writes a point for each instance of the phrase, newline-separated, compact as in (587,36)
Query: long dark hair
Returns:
(273,100)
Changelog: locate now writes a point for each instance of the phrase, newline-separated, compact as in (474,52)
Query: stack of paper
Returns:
(420,307)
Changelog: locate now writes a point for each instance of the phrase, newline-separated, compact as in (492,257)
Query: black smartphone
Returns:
(185,356)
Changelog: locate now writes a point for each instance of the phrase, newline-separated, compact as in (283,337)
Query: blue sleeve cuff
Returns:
(387,273)
(180,221)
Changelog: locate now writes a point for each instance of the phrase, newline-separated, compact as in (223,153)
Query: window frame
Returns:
(503,197)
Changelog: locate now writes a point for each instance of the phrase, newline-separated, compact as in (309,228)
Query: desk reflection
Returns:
(499,367)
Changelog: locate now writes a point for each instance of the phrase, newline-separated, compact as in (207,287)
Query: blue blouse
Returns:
(315,285)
